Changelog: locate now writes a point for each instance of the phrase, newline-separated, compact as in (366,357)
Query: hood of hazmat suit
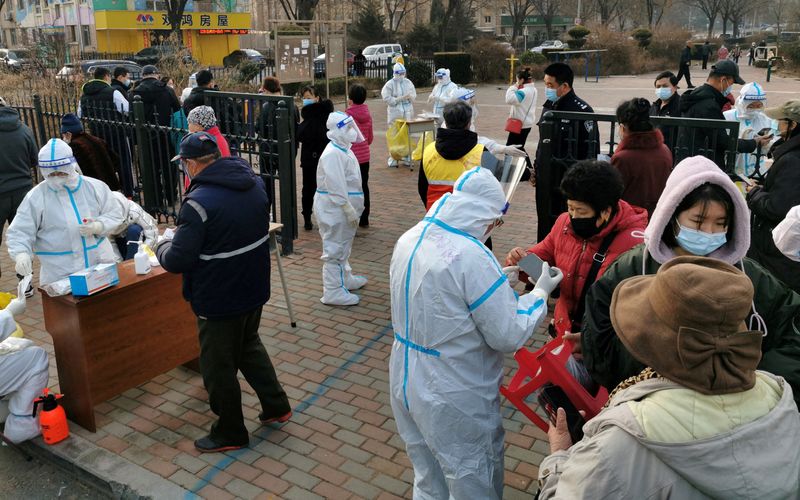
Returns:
(454,316)
(47,220)
(343,130)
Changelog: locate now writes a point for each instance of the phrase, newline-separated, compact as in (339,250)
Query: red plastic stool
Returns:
(548,365)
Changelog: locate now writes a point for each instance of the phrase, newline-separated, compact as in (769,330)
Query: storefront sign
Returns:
(132,20)
(224,32)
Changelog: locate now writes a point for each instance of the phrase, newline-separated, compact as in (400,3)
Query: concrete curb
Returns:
(110,474)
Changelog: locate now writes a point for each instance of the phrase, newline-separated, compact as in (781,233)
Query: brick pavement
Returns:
(341,442)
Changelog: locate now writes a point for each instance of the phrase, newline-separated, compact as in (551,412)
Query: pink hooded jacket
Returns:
(360,113)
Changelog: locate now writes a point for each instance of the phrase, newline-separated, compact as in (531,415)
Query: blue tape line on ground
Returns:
(305,404)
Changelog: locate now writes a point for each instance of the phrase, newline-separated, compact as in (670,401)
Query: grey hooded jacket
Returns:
(18,154)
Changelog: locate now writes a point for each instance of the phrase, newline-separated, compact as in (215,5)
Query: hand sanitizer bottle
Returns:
(141,261)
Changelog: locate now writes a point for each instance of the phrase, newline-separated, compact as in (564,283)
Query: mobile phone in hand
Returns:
(746,180)
(532,265)
(551,398)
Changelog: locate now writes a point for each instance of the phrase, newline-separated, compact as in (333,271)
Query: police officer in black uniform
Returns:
(574,140)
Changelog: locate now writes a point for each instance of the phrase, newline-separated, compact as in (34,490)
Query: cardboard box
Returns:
(92,280)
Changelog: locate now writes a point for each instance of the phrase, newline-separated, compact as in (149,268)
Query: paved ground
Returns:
(341,442)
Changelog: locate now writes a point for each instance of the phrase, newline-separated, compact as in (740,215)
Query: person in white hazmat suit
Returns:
(442,93)
(455,316)
(64,220)
(786,235)
(137,224)
(749,112)
(399,94)
(338,204)
(23,376)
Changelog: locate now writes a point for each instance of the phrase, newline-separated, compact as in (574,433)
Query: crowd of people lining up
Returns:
(677,286)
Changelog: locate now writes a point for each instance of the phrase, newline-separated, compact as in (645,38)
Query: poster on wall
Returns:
(293,63)
(335,59)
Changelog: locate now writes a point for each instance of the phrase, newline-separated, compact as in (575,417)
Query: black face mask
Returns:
(585,227)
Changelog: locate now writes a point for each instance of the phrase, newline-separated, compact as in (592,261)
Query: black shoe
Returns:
(690,87)
(274,420)
(308,226)
(208,445)
(363,223)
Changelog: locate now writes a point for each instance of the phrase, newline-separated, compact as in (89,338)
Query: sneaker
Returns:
(308,226)
(208,445)
(363,223)
(274,420)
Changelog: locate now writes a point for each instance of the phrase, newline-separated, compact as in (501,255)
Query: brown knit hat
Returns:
(687,323)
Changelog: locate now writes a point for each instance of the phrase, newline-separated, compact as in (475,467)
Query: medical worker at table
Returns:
(338,204)
(23,376)
(399,94)
(455,316)
(64,220)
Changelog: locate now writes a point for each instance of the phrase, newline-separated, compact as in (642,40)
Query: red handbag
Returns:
(514,126)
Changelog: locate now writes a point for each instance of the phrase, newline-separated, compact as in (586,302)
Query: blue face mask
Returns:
(699,242)
(663,93)
(728,90)
(551,94)
(307,102)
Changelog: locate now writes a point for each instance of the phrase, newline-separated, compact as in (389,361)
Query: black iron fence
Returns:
(144,139)
(564,140)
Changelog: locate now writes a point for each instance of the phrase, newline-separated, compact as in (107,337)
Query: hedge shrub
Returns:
(459,64)
(489,61)
(528,58)
(419,73)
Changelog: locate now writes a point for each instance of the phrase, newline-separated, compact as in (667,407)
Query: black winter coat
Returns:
(672,110)
(312,132)
(221,244)
(706,102)
(157,98)
(769,205)
(195,98)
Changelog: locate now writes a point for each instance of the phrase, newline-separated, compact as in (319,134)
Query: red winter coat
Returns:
(645,163)
(573,255)
(360,113)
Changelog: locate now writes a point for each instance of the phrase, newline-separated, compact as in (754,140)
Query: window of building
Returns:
(87,35)
(13,36)
(487,19)
(58,11)
(73,33)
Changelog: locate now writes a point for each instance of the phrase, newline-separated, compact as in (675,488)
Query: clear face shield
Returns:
(509,181)
(440,74)
(349,131)
(58,172)
(399,74)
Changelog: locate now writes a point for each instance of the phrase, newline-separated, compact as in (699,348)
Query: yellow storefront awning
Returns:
(158,20)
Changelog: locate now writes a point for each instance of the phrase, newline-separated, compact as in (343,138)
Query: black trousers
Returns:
(705,62)
(685,71)
(226,347)
(309,188)
(520,138)
(365,187)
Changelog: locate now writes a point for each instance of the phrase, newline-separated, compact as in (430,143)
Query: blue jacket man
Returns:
(220,246)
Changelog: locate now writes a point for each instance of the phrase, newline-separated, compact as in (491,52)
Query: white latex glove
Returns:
(24,265)
(512,273)
(167,235)
(16,306)
(90,228)
(511,150)
(546,283)
(350,214)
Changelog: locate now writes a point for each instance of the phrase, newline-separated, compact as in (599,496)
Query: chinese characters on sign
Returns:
(205,21)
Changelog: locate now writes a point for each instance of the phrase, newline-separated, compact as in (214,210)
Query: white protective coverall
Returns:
(786,235)
(133,213)
(49,220)
(23,376)
(455,316)
(442,91)
(399,94)
(338,204)
(750,123)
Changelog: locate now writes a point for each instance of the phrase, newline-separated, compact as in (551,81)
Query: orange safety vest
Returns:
(442,174)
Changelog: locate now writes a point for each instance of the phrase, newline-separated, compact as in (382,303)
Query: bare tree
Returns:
(608,10)
(654,11)
(396,10)
(175,10)
(301,10)
(777,8)
(710,8)
(547,9)
(735,11)
(520,10)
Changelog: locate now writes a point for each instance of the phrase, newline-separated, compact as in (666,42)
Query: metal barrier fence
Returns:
(562,144)
(259,128)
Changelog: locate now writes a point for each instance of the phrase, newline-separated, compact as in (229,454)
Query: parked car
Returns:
(378,54)
(86,68)
(153,55)
(319,64)
(239,56)
(15,59)
(548,45)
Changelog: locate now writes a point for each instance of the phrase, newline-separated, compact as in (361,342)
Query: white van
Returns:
(378,54)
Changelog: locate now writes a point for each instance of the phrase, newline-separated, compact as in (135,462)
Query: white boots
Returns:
(352,282)
(334,286)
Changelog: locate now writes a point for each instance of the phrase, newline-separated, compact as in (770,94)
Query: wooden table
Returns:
(119,338)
